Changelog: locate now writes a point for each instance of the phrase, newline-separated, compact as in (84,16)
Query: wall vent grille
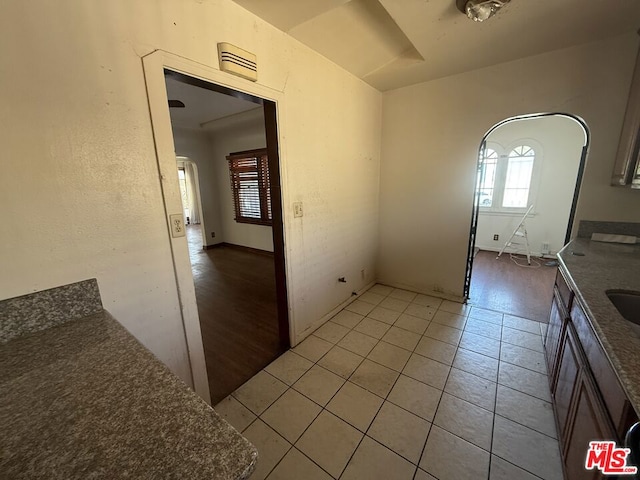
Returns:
(237,61)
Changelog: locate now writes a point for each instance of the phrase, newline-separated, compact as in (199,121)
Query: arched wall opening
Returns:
(557,146)
(193,192)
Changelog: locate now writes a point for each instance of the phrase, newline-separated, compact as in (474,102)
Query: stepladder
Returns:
(519,237)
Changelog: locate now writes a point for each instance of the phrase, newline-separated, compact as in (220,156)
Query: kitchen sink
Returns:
(627,303)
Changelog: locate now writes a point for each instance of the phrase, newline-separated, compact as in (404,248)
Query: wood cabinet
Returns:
(590,422)
(557,322)
(569,371)
(588,400)
(580,412)
(562,298)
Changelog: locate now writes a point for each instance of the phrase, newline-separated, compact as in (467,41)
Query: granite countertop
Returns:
(85,400)
(607,266)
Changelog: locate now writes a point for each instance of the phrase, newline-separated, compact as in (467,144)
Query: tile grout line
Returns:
(440,400)
(495,408)
(517,466)
(527,427)
(494,413)
(467,316)
(348,379)
(323,408)
(424,447)
(377,412)
(438,407)
(384,399)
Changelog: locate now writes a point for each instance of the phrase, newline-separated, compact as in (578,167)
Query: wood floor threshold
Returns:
(239,247)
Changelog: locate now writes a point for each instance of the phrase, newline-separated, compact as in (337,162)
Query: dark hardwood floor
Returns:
(236,296)
(503,286)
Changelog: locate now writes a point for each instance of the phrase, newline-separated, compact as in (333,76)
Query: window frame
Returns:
(501,177)
(264,185)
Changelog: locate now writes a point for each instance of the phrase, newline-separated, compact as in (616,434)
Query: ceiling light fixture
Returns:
(480,10)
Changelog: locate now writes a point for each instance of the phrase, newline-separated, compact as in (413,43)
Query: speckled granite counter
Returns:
(607,266)
(84,399)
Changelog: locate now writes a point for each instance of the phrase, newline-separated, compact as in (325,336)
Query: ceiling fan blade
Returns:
(176,104)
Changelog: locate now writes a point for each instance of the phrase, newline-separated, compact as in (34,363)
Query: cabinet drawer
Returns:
(564,292)
(612,393)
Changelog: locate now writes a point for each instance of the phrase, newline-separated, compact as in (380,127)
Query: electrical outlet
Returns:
(363,273)
(496,237)
(297,209)
(213,234)
(545,248)
(177,225)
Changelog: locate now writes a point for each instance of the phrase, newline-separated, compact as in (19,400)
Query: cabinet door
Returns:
(552,340)
(612,393)
(590,422)
(568,371)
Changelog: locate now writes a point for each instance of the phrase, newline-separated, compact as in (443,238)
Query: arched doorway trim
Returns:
(481,149)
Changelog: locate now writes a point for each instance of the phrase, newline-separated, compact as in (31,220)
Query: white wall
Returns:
(431,132)
(558,142)
(84,199)
(196,145)
(226,138)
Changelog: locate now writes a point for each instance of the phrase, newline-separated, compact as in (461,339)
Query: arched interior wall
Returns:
(430,137)
(558,141)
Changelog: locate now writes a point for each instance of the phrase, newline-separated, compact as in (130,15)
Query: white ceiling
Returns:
(394,43)
(202,105)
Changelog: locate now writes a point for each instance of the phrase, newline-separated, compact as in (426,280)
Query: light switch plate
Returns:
(297,209)
(177,225)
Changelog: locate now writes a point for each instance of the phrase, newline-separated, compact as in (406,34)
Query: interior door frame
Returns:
(154,65)
(203,227)
(475,210)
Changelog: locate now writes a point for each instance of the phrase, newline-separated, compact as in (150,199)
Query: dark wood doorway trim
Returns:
(271,131)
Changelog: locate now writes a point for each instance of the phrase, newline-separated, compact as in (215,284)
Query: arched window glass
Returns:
(505,181)
(487,178)
(518,179)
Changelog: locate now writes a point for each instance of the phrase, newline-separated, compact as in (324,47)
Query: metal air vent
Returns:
(237,61)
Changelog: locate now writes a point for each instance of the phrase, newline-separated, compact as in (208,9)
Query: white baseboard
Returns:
(431,293)
(533,254)
(322,320)
(507,252)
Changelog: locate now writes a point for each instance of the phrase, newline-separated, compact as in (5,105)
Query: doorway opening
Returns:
(190,195)
(528,179)
(233,220)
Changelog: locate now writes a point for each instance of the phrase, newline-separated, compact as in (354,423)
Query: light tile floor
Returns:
(402,386)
